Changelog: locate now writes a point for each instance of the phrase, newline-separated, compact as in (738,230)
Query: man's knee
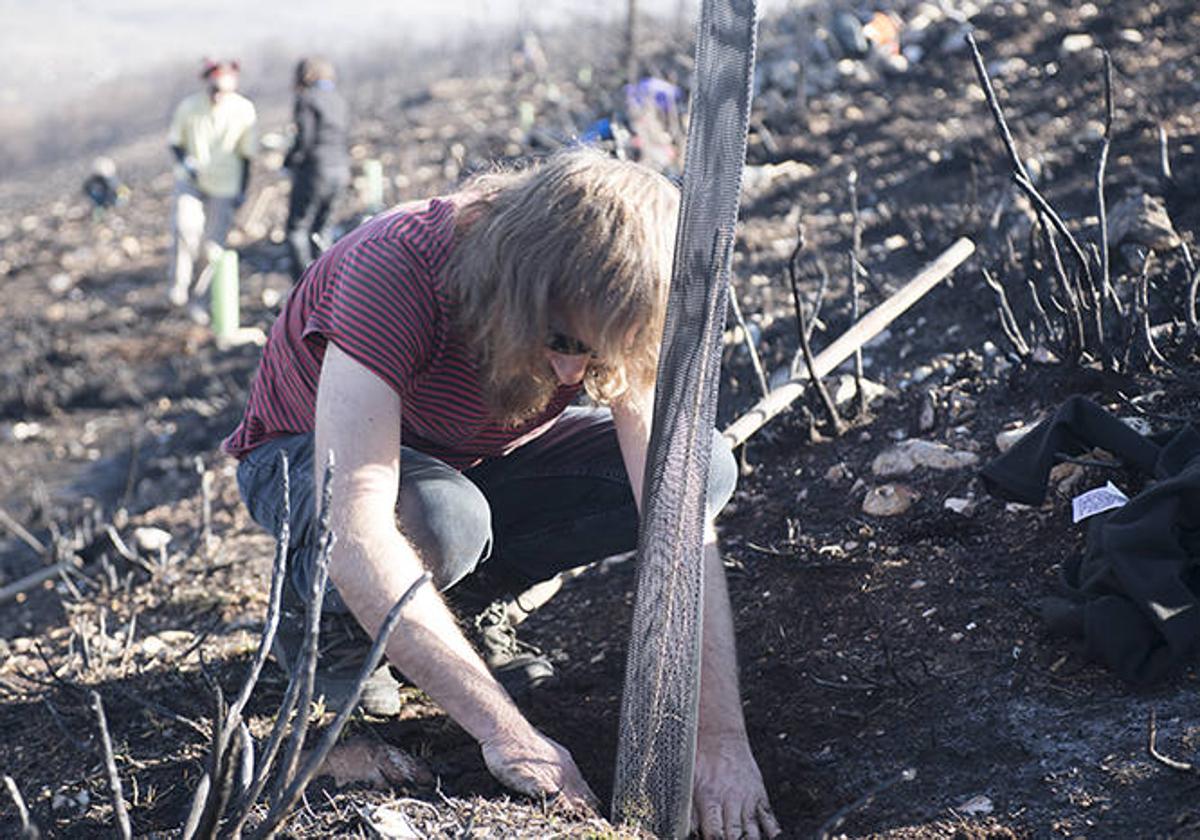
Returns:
(722,475)
(447,520)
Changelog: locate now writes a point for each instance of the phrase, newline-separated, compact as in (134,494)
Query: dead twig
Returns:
(1008,321)
(305,669)
(748,339)
(1152,748)
(205,506)
(1102,212)
(840,349)
(29,831)
(330,736)
(1164,154)
(110,764)
(1141,314)
(131,477)
(209,800)
(825,832)
(1075,340)
(1044,319)
(1020,174)
(35,579)
(860,393)
(831,411)
(20,532)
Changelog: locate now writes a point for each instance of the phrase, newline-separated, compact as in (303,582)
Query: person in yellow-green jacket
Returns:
(213,136)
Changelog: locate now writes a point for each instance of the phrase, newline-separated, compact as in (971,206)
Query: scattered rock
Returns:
(162,643)
(907,455)
(1076,43)
(960,407)
(928,414)
(150,540)
(390,824)
(1066,477)
(920,373)
(22,430)
(758,179)
(963,507)
(844,389)
(889,500)
(1142,220)
(976,806)
(848,31)
(838,472)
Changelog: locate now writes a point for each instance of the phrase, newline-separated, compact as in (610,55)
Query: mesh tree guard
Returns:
(656,752)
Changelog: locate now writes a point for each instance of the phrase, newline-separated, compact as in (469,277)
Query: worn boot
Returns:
(518,666)
(342,648)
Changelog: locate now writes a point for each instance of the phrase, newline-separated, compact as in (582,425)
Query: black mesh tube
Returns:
(656,753)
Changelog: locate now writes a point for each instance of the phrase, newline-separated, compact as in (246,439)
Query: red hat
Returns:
(210,67)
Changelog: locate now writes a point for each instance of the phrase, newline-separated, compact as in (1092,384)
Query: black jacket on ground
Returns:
(320,149)
(1134,595)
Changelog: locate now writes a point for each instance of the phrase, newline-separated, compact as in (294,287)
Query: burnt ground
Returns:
(868,645)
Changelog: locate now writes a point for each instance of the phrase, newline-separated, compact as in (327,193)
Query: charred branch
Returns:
(110,765)
(1008,321)
(802,332)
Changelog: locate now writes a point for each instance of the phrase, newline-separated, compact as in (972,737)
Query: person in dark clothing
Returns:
(318,160)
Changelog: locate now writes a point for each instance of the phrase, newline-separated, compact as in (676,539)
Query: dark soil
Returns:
(869,646)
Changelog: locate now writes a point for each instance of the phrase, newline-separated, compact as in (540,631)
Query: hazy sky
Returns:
(57,49)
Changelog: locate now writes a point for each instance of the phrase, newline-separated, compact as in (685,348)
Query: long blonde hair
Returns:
(582,243)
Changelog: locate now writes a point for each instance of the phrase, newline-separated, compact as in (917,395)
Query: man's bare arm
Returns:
(358,420)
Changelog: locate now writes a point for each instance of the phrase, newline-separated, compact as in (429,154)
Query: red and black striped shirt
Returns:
(378,295)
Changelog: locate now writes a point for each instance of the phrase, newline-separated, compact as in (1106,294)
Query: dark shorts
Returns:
(561,501)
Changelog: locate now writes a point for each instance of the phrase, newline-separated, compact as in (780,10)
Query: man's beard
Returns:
(518,399)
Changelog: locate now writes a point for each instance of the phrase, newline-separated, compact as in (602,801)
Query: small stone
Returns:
(976,806)
(920,373)
(889,500)
(153,647)
(22,430)
(838,472)
(1132,36)
(845,389)
(1142,220)
(61,283)
(1076,43)
(956,637)
(150,540)
(1066,477)
(917,584)
(928,416)
(390,824)
(907,455)
(963,507)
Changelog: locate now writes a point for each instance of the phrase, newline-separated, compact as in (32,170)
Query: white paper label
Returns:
(1097,501)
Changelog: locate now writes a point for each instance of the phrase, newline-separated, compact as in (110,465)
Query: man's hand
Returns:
(539,766)
(729,800)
